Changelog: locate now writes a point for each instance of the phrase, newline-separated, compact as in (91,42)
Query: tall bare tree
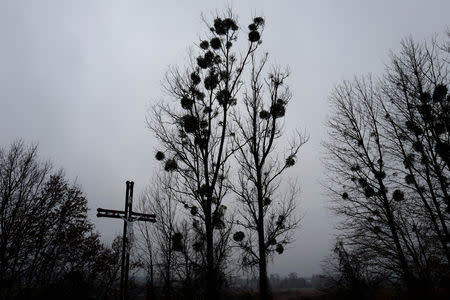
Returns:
(268,216)
(195,133)
(387,151)
(358,166)
(417,111)
(157,240)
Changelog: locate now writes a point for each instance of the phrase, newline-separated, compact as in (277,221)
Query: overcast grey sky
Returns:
(78,77)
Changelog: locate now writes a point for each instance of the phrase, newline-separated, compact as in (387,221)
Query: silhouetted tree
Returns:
(108,269)
(158,238)
(147,248)
(359,166)
(195,135)
(22,181)
(268,217)
(348,271)
(417,107)
(46,240)
(389,174)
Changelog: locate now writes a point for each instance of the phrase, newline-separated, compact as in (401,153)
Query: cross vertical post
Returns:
(125,243)
(128,216)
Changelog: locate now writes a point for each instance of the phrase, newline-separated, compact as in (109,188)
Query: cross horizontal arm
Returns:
(135,214)
(99,215)
(144,219)
(110,213)
(104,210)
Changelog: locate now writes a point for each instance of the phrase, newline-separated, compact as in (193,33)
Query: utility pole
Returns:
(128,216)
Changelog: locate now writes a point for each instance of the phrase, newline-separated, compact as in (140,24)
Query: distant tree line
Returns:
(388,157)
(278,282)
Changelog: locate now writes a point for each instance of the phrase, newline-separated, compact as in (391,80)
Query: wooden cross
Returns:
(127,215)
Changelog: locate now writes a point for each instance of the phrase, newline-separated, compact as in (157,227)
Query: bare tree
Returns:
(268,217)
(45,236)
(350,273)
(358,165)
(387,151)
(196,137)
(146,248)
(418,114)
(22,179)
(108,267)
(158,238)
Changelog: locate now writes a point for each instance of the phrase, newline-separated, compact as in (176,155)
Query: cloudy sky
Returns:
(78,77)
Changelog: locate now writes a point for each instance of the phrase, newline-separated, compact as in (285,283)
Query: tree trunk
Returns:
(211,290)
(407,276)
(406,273)
(264,291)
(150,284)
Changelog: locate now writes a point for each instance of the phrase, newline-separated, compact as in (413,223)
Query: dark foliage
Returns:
(48,247)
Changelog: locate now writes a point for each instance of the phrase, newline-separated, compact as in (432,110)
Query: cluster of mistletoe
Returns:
(422,123)
(429,120)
